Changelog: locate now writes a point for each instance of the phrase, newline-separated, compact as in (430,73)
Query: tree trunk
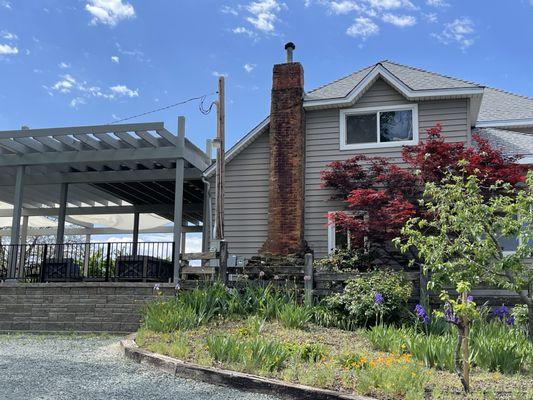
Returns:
(528,300)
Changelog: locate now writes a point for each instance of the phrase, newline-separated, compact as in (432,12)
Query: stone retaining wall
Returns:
(88,307)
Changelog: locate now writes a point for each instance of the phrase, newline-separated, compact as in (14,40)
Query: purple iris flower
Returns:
(422,314)
(510,321)
(470,299)
(378,298)
(501,312)
(449,314)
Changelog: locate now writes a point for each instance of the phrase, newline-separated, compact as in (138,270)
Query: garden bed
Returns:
(326,358)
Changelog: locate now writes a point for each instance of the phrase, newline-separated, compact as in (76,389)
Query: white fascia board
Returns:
(240,145)
(381,72)
(526,160)
(510,123)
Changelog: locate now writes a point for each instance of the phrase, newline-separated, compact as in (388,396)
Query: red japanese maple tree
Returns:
(386,195)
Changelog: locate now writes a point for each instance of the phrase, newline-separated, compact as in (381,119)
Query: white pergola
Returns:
(104,170)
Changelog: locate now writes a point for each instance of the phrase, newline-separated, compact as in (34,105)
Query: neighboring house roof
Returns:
(414,78)
(500,108)
(510,142)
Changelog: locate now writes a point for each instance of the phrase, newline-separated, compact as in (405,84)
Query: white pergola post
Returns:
(178,199)
(135,239)
(17,215)
(206,229)
(87,255)
(23,241)
(60,236)
(183,241)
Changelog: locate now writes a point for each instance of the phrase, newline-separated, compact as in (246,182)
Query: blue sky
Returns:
(77,62)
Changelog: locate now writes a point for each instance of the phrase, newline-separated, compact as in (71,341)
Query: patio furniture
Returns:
(60,270)
(143,268)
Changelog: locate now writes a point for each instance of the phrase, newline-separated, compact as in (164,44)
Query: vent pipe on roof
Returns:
(289,47)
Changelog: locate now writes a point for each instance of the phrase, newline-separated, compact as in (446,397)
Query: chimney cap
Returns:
(290,45)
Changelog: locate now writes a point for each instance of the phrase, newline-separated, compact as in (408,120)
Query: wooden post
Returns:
(183,241)
(308,279)
(15,225)
(178,199)
(135,239)
(223,262)
(221,115)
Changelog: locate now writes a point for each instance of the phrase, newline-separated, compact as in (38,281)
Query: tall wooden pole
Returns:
(221,116)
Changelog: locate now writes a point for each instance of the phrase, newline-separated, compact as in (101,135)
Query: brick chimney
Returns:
(287,152)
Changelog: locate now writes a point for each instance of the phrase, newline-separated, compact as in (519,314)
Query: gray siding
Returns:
(246,198)
(322,147)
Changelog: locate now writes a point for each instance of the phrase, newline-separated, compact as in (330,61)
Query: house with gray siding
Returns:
(274,202)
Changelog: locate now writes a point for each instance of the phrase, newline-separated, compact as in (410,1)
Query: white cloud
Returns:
(249,67)
(363,27)
(241,30)
(401,21)
(123,90)
(219,74)
(6,4)
(115,59)
(344,7)
(430,17)
(63,65)
(109,12)
(8,35)
(264,14)
(66,84)
(460,31)
(69,84)
(438,3)
(391,4)
(6,49)
(75,102)
(228,10)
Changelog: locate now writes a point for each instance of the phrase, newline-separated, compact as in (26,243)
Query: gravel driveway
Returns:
(83,367)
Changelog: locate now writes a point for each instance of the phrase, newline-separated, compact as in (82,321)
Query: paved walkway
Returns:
(34,367)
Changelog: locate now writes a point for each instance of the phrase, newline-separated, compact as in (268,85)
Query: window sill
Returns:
(378,145)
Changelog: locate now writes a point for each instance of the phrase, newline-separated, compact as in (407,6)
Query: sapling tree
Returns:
(457,242)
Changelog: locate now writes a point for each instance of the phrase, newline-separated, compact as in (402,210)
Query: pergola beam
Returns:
(101,231)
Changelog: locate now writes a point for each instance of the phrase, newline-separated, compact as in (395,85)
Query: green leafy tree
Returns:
(457,240)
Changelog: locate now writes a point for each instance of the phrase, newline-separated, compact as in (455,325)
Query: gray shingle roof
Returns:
(414,78)
(500,105)
(512,143)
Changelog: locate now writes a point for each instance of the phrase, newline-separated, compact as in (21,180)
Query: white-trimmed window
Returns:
(371,127)
(337,238)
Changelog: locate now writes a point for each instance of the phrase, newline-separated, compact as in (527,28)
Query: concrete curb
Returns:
(227,378)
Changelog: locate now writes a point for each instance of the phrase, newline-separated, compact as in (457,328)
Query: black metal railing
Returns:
(68,262)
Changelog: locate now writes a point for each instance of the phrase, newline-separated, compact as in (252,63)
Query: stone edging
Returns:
(233,379)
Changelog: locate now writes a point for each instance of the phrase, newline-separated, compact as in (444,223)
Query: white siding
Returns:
(322,147)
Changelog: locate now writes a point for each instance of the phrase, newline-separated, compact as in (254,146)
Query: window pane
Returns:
(361,129)
(396,126)
(508,243)
(341,240)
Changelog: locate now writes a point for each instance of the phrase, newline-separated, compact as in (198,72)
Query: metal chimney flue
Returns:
(289,48)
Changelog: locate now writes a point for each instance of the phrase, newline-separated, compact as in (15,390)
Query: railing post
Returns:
(308,279)
(108,262)
(223,262)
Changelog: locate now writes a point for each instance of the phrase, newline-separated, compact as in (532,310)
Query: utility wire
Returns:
(202,98)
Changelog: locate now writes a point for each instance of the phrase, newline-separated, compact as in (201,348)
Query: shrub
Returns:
(293,316)
(308,352)
(380,293)
(344,260)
